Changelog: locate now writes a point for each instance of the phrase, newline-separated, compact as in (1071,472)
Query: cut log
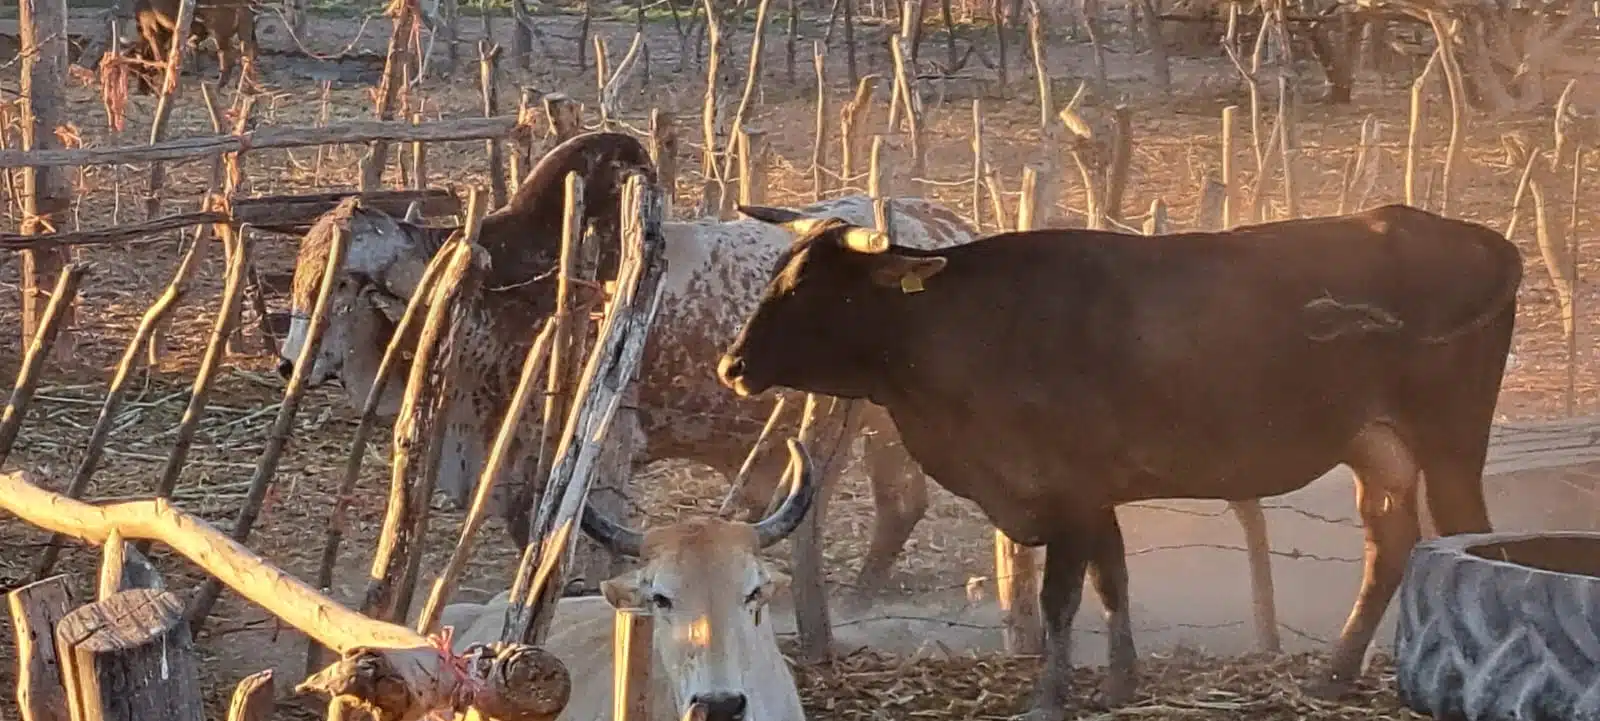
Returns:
(130,658)
(35,610)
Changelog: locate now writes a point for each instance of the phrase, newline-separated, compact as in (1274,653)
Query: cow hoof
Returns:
(1328,688)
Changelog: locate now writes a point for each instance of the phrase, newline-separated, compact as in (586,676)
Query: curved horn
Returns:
(865,240)
(790,220)
(802,491)
(622,540)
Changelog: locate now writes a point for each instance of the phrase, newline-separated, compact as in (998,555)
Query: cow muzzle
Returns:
(721,706)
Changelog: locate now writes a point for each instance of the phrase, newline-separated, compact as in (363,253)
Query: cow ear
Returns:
(892,270)
(624,592)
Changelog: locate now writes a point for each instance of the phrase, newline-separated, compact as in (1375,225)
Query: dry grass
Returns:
(1176,145)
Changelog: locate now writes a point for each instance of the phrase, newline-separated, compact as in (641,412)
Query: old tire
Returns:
(1502,627)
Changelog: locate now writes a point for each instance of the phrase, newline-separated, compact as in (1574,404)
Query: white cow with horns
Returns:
(706,587)
(716,272)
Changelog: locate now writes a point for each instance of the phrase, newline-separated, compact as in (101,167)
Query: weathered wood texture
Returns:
(35,610)
(130,658)
(266,138)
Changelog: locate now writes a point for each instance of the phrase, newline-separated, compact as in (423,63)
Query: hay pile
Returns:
(1183,685)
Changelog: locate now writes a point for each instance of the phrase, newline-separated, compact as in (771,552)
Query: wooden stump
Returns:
(1016,570)
(35,610)
(130,658)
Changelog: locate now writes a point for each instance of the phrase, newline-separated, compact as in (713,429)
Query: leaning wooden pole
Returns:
(404,13)
(45,194)
(169,98)
(61,297)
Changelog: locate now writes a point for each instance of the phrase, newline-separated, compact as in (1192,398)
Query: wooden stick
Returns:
(488,83)
(209,362)
(736,488)
(278,437)
(1452,77)
(1288,142)
(1232,201)
(169,97)
(877,188)
(338,520)
(510,425)
(1041,70)
(391,668)
(44,195)
(1121,159)
(617,351)
(851,118)
(399,54)
(819,145)
(1028,198)
(35,610)
(977,167)
(904,80)
(631,649)
(754,157)
(1017,586)
(361,131)
(1574,250)
(664,153)
(61,297)
(418,432)
(252,699)
(712,183)
(1360,161)
(752,78)
(1414,133)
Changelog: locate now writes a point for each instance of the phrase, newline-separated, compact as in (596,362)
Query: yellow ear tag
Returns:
(911,283)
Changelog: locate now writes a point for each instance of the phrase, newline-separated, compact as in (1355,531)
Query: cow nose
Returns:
(721,706)
(285,369)
(730,369)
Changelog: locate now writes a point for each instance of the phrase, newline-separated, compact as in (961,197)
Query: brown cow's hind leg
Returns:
(900,500)
(1066,559)
(1108,572)
(1386,497)
(1259,550)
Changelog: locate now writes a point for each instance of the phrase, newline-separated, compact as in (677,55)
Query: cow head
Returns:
(706,586)
(383,266)
(818,326)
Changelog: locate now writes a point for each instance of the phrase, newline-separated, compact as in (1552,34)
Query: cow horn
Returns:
(620,539)
(865,240)
(802,491)
(790,220)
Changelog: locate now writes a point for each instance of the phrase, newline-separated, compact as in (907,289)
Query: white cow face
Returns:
(707,590)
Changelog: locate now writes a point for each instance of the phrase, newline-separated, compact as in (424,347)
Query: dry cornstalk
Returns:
(394,671)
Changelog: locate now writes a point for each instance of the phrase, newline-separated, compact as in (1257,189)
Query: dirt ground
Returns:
(1190,582)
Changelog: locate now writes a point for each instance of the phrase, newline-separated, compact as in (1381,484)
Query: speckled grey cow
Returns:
(716,272)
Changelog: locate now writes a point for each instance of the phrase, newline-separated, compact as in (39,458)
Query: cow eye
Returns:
(661,602)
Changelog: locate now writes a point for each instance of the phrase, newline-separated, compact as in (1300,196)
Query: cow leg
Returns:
(1108,573)
(1066,559)
(1259,550)
(1386,497)
(224,59)
(900,499)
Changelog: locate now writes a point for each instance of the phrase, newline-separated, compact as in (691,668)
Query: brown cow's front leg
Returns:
(1386,497)
(1066,559)
(1108,572)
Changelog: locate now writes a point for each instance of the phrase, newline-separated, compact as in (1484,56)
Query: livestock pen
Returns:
(981,135)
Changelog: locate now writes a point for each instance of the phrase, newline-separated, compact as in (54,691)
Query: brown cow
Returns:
(1052,375)
(223,20)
